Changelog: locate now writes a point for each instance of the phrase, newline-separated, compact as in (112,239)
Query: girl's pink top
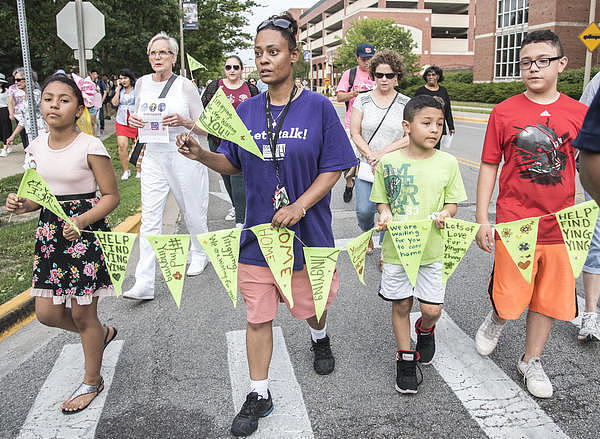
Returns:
(66,170)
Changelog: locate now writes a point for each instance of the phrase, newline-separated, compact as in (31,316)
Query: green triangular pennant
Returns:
(457,236)
(320,264)
(171,254)
(116,247)
(409,238)
(357,249)
(519,238)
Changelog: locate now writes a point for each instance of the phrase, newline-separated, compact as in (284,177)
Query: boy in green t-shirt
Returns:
(416,183)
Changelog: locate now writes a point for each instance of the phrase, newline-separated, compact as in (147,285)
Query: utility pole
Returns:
(181,48)
(588,54)
(33,132)
(80,38)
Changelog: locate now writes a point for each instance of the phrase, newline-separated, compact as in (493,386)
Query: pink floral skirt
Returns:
(66,270)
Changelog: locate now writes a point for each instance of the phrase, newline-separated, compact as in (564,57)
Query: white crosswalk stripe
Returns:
(500,407)
(45,419)
(289,418)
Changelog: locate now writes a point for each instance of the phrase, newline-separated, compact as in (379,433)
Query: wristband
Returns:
(303,209)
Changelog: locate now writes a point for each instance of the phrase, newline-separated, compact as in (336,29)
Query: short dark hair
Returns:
(392,59)
(289,34)
(93,71)
(238,60)
(59,77)
(544,36)
(419,102)
(129,74)
(435,69)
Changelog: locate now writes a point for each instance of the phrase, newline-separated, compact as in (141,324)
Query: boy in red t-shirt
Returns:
(532,132)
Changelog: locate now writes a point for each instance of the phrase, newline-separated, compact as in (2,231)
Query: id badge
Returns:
(280,198)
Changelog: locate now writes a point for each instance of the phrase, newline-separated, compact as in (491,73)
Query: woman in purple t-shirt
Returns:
(306,159)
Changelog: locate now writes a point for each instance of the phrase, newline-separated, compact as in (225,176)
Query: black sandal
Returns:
(85,389)
(106,339)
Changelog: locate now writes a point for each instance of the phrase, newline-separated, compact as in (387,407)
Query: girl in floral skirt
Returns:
(69,273)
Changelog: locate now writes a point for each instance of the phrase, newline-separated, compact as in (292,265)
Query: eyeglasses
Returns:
(282,23)
(234,67)
(541,63)
(19,79)
(380,75)
(160,53)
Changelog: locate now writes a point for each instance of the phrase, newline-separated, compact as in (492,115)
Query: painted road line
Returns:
(500,407)
(45,419)
(23,343)
(342,242)
(289,418)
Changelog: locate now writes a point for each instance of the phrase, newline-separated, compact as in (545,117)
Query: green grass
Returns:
(17,239)
(472,104)
(469,110)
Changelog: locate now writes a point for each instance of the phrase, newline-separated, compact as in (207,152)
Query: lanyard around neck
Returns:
(274,137)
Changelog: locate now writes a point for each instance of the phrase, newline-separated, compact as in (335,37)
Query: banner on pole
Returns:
(190,15)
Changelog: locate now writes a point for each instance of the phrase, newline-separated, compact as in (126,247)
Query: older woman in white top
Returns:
(164,169)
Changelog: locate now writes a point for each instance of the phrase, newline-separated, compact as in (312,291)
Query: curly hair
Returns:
(392,59)
(435,69)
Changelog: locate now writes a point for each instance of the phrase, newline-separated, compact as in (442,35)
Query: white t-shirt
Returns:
(183,99)
(391,128)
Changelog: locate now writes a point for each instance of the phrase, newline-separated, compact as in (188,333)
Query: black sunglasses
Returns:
(380,75)
(234,67)
(282,23)
(19,79)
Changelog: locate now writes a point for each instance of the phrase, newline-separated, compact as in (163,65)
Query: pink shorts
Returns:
(262,294)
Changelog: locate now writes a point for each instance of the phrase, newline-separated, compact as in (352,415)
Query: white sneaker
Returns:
(538,383)
(9,149)
(4,153)
(589,327)
(230,215)
(197,266)
(488,334)
(125,175)
(137,292)
(138,174)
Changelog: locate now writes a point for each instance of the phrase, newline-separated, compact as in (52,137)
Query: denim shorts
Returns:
(592,263)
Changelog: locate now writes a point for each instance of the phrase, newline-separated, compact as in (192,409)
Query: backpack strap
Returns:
(351,78)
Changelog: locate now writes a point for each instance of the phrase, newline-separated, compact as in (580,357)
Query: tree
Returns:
(381,33)
(129,27)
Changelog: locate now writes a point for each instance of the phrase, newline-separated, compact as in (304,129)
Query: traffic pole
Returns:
(588,55)
(80,39)
(181,48)
(33,132)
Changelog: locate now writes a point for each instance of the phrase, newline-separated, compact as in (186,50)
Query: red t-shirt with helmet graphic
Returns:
(538,173)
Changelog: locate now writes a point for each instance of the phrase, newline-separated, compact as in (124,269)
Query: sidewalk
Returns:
(13,164)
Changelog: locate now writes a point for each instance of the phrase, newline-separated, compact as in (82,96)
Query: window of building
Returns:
(512,20)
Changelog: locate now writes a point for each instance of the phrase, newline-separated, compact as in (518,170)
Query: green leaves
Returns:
(382,33)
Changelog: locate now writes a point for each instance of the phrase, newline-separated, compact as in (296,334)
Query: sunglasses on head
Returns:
(282,23)
(380,75)
(234,67)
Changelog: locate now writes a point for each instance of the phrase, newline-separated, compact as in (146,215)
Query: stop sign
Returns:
(93,25)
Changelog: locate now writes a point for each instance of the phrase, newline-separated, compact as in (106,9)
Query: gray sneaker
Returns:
(488,334)
(589,327)
(536,380)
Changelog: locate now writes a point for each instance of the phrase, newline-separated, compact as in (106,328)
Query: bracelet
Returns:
(303,210)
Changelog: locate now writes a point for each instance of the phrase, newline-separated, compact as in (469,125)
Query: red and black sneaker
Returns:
(406,372)
(425,343)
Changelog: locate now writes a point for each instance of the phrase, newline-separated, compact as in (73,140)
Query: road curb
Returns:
(470,119)
(19,308)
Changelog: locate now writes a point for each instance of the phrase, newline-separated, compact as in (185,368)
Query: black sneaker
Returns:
(406,372)
(324,362)
(348,193)
(246,421)
(425,343)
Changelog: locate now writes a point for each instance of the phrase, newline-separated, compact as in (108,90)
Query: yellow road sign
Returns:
(591,37)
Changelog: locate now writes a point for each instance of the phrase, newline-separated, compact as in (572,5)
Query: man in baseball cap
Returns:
(354,81)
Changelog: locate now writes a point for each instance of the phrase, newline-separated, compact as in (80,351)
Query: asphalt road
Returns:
(180,373)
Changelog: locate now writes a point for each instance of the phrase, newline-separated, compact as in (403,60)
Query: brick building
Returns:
(443,30)
(500,25)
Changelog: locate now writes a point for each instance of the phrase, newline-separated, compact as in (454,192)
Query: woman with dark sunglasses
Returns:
(237,90)
(305,149)
(376,129)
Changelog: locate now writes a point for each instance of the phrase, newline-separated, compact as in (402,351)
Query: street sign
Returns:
(88,54)
(93,25)
(591,37)
(306,55)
